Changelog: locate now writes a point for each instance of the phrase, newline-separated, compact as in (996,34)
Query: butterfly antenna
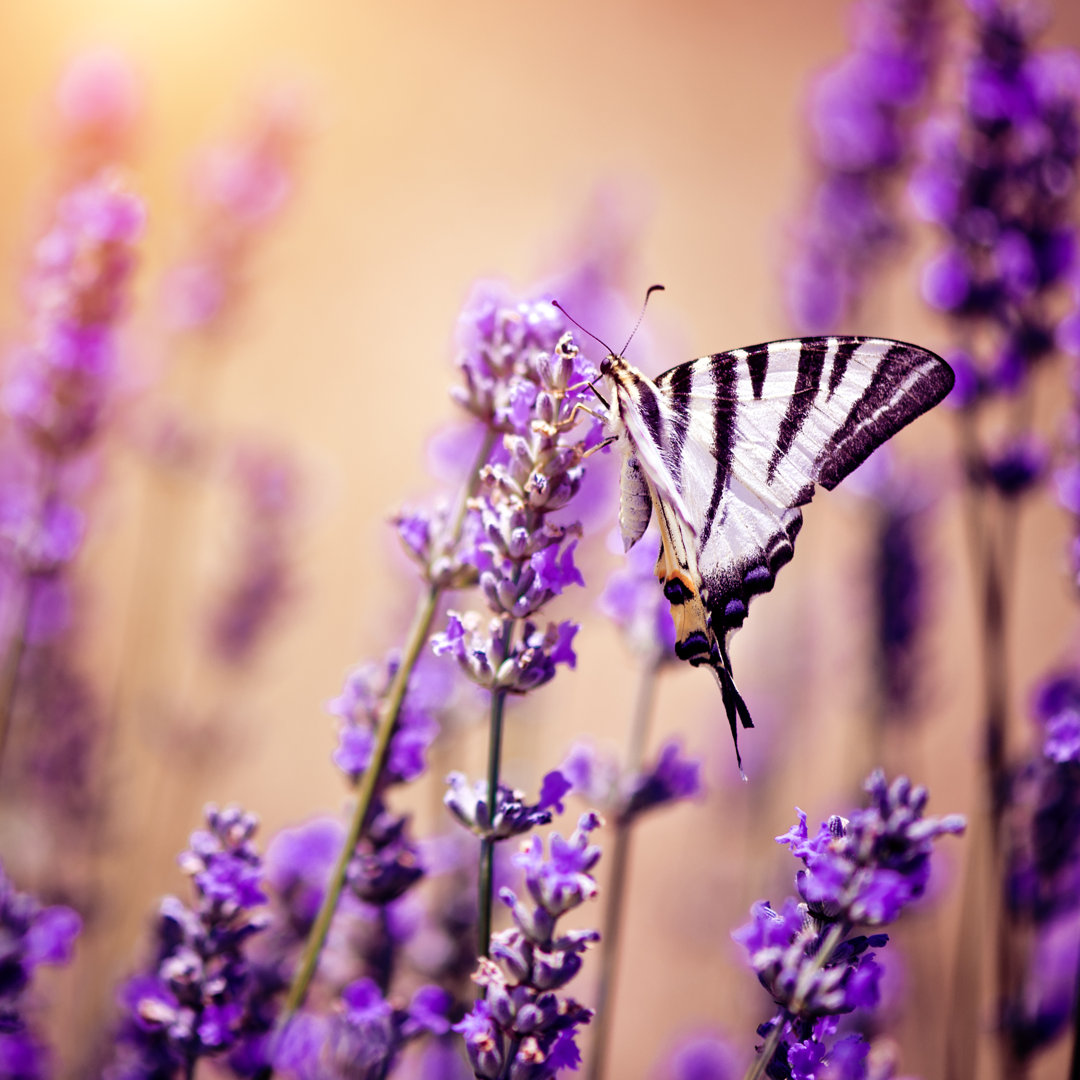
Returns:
(648,292)
(556,304)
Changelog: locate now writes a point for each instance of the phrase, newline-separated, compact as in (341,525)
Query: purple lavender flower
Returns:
(31,935)
(633,602)
(263,585)
(522,1026)
(60,383)
(596,777)
(238,188)
(358,707)
(1042,881)
(98,101)
(701,1057)
(196,1001)
(860,112)
(363,1039)
(523,378)
(998,179)
(900,505)
(858,871)
(512,816)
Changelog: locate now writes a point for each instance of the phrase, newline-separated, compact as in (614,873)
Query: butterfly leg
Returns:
(600,446)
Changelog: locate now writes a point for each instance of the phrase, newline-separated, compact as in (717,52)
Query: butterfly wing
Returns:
(754,430)
(731,446)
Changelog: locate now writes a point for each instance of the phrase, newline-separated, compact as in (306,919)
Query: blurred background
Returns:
(272,418)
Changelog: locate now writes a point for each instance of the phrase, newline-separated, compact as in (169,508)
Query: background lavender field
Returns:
(250,457)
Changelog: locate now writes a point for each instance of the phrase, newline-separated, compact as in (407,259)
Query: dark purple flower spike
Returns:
(860,871)
(523,1026)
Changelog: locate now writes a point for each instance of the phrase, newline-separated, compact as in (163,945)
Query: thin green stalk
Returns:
(487,845)
(365,795)
(820,958)
(616,886)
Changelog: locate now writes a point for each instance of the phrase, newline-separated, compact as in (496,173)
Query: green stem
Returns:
(806,978)
(616,887)
(365,795)
(487,845)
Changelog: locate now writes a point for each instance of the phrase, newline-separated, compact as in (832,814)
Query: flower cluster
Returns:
(524,378)
(238,188)
(262,586)
(1042,883)
(860,113)
(363,1039)
(597,778)
(359,708)
(1000,181)
(522,1029)
(82,266)
(194,1003)
(861,871)
(634,602)
(32,935)
(512,816)
(56,393)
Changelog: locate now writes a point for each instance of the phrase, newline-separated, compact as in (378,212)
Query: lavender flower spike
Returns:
(194,1002)
(522,1027)
(858,871)
(32,935)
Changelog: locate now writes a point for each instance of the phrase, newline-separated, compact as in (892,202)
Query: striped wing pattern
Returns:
(732,445)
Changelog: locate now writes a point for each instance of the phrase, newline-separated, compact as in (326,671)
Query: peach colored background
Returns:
(448,142)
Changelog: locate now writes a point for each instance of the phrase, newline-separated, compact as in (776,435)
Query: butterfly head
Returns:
(611,364)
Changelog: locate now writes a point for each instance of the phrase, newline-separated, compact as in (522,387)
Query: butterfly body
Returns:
(727,448)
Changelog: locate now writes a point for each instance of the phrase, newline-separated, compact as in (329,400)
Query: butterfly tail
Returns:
(734,706)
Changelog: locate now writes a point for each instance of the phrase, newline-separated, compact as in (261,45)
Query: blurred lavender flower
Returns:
(861,871)
(359,706)
(1042,882)
(702,1057)
(634,603)
(522,1027)
(197,1000)
(468,802)
(98,101)
(262,587)
(238,188)
(595,776)
(31,935)
(78,288)
(901,503)
(363,1039)
(999,180)
(56,395)
(860,113)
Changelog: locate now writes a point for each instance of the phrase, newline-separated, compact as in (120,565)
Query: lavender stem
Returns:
(365,794)
(487,845)
(616,888)
(395,695)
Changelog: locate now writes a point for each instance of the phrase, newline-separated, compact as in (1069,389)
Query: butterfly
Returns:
(727,448)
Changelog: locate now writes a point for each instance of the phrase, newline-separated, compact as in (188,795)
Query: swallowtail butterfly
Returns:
(727,448)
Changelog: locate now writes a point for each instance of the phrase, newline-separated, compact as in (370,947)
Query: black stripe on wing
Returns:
(906,382)
(807,381)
